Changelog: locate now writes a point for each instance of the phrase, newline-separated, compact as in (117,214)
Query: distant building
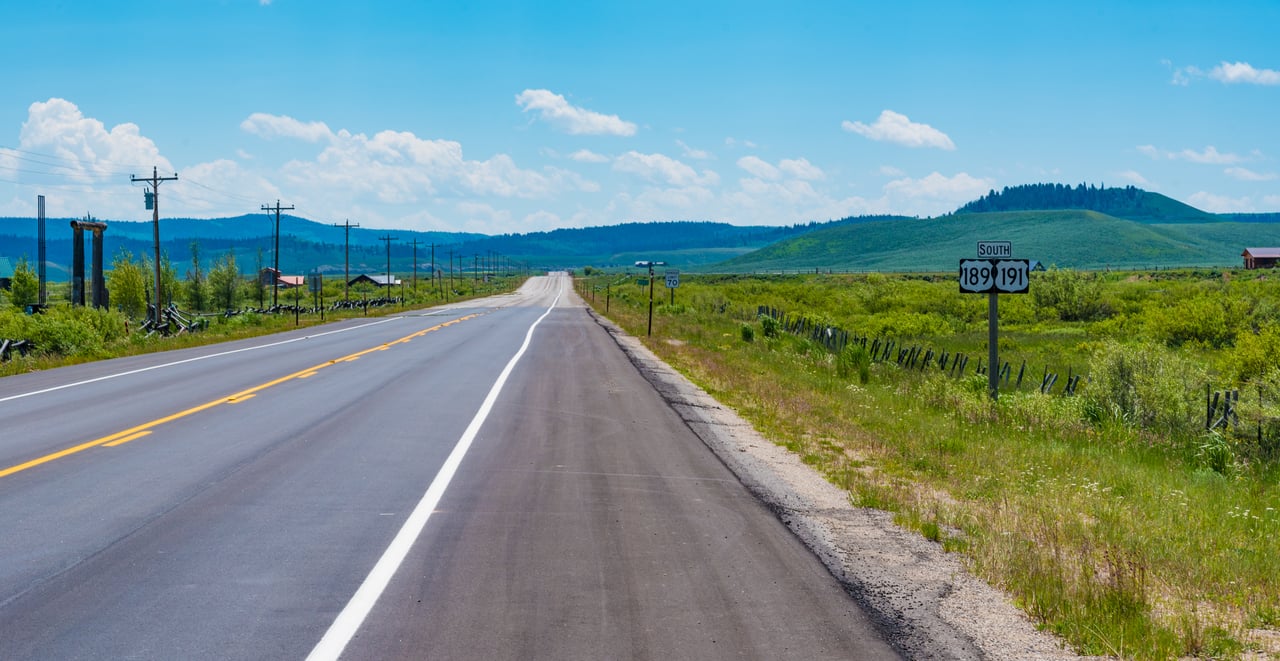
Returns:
(270,276)
(375,280)
(1261,258)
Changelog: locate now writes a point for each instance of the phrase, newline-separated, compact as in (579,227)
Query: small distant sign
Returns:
(673,278)
(994,276)
(643,282)
(995,249)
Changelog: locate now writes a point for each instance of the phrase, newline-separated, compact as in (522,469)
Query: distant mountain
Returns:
(307,246)
(1129,203)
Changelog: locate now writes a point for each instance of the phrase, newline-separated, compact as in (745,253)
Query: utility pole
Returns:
(433,267)
(415,243)
(275,279)
(346,257)
(388,239)
(153,197)
(446,296)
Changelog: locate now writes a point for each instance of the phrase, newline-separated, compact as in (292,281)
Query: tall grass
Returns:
(1114,522)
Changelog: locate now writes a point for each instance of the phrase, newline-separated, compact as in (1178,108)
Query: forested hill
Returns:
(1129,202)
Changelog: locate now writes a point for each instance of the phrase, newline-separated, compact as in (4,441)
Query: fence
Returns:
(1221,407)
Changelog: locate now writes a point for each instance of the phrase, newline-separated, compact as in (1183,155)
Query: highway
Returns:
(486,480)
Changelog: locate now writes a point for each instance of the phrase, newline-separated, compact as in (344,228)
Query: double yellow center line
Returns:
(133,433)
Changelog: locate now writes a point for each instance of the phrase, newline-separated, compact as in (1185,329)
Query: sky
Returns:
(511,117)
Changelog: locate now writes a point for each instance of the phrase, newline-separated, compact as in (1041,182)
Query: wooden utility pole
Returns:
(346,257)
(153,197)
(415,243)
(388,239)
(275,280)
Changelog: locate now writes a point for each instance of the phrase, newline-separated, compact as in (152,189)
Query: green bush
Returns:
(854,359)
(748,333)
(770,326)
(1255,354)
(1144,385)
(1200,319)
(1069,295)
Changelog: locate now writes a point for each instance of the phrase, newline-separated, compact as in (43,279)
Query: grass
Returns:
(1115,537)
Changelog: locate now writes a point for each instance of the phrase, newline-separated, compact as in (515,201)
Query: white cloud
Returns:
(758,167)
(890,171)
(588,156)
(271,126)
(1210,155)
(554,109)
(1183,76)
(1243,72)
(935,193)
(663,169)
(1134,177)
(899,129)
(1220,203)
(734,142)
(801,168)
(1245,174)
(85,150)
(690,152)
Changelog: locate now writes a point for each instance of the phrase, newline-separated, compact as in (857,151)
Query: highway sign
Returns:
(643,282)
(995,249)
(994,276)
(673,278)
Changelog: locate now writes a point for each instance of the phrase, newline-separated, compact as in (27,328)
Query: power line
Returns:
(275,279)
(346,257)
(153,198)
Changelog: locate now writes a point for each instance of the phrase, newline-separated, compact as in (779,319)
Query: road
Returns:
(489,480)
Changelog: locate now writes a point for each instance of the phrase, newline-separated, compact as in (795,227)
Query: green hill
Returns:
(1129,203)
(1071,238)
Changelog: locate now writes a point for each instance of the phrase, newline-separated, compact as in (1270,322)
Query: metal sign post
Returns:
(994,273)
(673,281)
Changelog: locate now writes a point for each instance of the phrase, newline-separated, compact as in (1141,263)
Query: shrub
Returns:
(748,333)
(854,359)
(1144,385)
(770,326)
(1255,354)
(1071,295)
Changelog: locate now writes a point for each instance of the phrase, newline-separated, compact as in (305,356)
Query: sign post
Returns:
(995,272)
(673,281)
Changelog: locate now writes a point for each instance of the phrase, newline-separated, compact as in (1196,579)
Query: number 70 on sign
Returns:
(994,276)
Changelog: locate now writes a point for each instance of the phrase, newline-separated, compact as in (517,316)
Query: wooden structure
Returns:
(1261,258)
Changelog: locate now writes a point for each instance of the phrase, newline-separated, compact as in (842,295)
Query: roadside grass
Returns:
(1122,540)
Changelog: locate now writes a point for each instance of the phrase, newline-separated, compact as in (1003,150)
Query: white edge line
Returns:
(192,360)
(348,622)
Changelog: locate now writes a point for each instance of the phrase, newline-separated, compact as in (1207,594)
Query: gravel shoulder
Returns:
(922,598)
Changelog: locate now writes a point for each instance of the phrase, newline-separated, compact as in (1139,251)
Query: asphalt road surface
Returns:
(492,480)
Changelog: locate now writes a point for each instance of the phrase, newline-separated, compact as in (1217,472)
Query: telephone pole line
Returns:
(415,243)
(275,280)
(346,257)
(388,239)
(153,199)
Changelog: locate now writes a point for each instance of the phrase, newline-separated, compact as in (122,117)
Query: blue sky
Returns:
(524,116)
